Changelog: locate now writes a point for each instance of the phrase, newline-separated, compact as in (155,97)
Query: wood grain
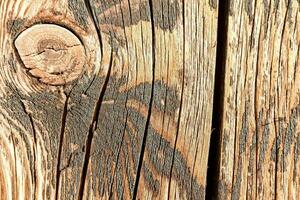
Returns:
(259,131)
(55,58)
(33,112)
(131,119)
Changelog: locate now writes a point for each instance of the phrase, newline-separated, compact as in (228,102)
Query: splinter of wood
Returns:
(51,53)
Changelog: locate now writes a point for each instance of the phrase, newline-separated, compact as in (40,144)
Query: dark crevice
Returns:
(120,147)
(118,157)
(126,118)
(69,162)
(94,123)
(181,100)
(140,163)
(61,139)
(92,129)
(123,22)
(257,120)
(215,140)
(276,136)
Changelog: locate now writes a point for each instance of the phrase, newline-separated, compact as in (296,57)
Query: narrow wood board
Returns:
(260,141)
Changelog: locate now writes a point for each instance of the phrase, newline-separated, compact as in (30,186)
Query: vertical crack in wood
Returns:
(141,157)
(256,114)
(93,125)
(129,7)
(181,100)
(218,101)
(92,129)
(61,139)
(126,109)
(122,16)
(95,21)
(118,156)
(257,118)
(281,43)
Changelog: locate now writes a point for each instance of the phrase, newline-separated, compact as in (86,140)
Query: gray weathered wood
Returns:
(259,130)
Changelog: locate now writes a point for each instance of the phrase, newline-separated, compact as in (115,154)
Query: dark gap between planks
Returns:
(215,140)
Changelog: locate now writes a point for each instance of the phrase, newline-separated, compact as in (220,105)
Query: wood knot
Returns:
(51,53)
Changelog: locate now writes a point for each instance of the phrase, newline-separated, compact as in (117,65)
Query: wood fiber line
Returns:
(141,157)
(94,123)
(180,109)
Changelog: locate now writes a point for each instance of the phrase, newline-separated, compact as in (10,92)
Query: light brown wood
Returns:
(260,130)
(106,99)
(52,53)
(33,106)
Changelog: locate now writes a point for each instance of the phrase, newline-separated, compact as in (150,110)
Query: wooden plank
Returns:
(260,131)
(169,38)
(105,99)
(33,109)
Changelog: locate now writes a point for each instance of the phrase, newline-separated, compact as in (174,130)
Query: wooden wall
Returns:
(149,99)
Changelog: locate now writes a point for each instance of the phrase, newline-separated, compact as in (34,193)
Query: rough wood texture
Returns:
(260,138)
(113,102)
(52,53)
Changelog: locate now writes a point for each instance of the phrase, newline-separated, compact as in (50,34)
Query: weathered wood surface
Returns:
(260,138)
(127,117)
